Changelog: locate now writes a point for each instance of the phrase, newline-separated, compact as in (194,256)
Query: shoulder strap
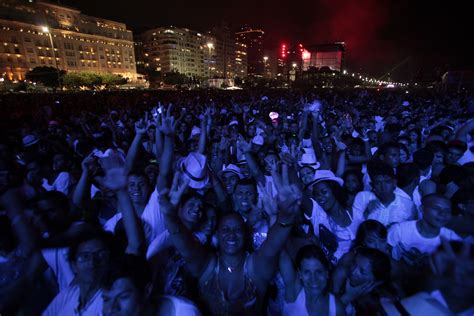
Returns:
(332,305)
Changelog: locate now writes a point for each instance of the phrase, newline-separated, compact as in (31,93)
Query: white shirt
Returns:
(344,235)
(468,155)
(407,234)
(67,301)
(152,219)
(57,260)
(399,210)
(61,183)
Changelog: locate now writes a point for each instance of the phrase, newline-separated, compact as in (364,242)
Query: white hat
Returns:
(258,140)
(195,131)
(232,169)
(234,122)
(325,175)
(194,168)
(308,159)
(29,140)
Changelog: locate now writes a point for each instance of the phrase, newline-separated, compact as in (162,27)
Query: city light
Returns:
(210,45)
(45,29)
(265,58)
(294,65)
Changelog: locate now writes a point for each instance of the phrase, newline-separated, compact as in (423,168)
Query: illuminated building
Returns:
(29,32)
(240,60)
(173,49)
(319,56)
(253,39)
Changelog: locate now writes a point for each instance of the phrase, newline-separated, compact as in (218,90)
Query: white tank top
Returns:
(183,306)
(298,307)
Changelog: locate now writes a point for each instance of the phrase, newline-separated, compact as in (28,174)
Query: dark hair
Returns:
(311,252)
(383,150)
(425,199)
(138,173)
(106,237)
(337,190)
(437,146)
(367,227)
(191,194)
(379,168)
(407,173)
(453,173)
(130,267)
(355,173)
(379,262)
(247,181)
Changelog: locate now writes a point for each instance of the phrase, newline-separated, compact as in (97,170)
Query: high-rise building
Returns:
(44,34)
(253,39)
(225,52)
(173,49)
(240,60)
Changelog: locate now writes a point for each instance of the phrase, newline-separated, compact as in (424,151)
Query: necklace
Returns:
(230,268)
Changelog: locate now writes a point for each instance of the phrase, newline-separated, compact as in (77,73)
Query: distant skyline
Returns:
(403,37)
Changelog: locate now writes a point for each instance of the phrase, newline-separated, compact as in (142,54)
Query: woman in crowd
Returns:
(307,286)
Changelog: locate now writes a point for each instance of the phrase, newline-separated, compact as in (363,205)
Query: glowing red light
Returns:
(283,51)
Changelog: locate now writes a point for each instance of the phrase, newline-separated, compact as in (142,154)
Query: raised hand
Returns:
(89,164)
(140,127)
(115,177)
(289,197)
(179,186)
(353,292)
(269,203)
(168,123)
(243,145)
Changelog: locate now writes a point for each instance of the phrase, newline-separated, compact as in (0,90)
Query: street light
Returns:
(210,46)
(47,31)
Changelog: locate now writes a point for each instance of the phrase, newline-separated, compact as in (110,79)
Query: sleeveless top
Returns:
(183,306)
(248,302)
(335,239)
(298,307)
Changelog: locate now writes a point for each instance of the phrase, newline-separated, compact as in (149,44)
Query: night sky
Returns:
(405,37)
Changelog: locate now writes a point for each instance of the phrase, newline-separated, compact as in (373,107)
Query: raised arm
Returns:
(168,126)
(254,169)
(82,191)
(303,126)
(196,255)
(288,273)
(116,180)
(289,205)
(140,130)
(203,135)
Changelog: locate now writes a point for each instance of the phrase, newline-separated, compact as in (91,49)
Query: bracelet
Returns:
(285,225)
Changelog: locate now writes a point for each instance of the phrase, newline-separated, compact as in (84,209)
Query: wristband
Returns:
(285,225)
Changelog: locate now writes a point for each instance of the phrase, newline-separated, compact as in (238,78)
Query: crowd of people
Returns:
(268,202)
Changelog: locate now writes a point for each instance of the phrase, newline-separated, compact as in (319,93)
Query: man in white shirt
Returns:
(412,240)
(382,204)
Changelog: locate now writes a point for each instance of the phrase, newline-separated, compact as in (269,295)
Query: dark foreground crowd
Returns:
(279,202)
